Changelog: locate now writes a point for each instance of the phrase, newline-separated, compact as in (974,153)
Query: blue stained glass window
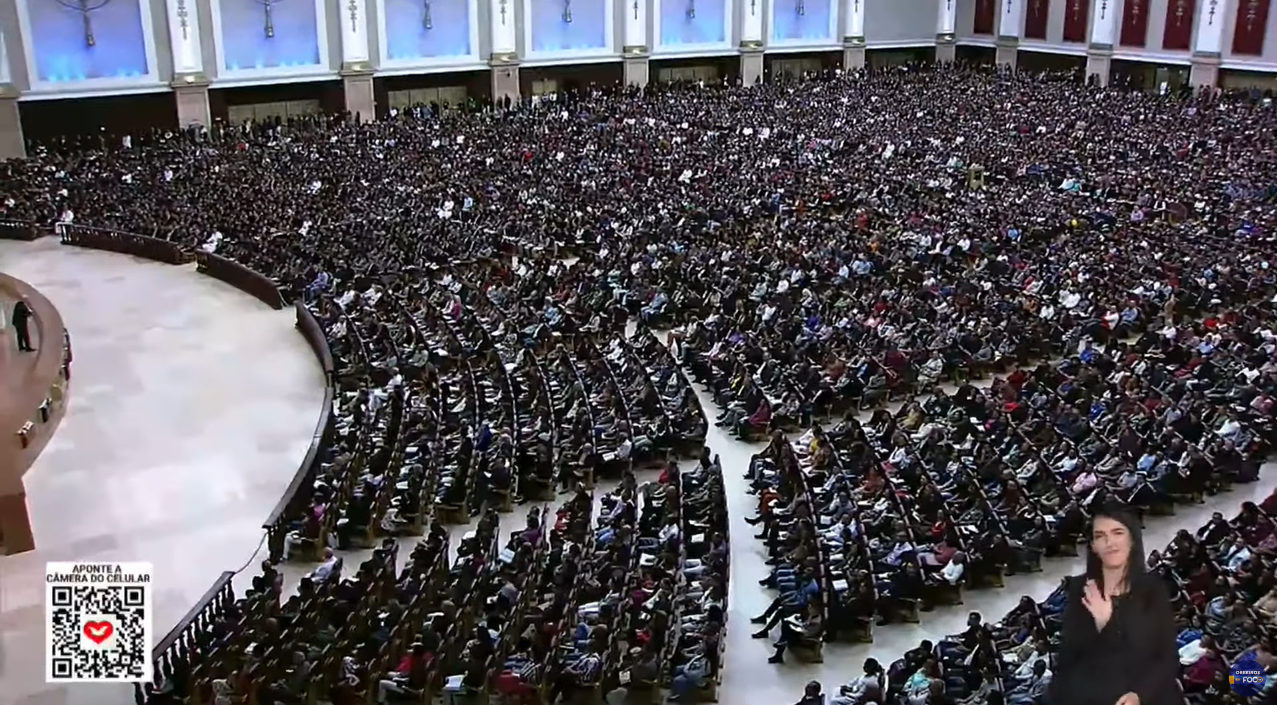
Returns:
(693,22)
(427,29)
(801,20)
(269,34)
(568,25)
(103,39)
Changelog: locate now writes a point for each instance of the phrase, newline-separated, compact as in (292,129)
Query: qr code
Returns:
(98,623)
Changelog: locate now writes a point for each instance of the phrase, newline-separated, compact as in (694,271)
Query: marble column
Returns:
(853,35)
(1208,43)
(356,60)
(190,84)
(11,142)
(1010,31)
(504,60)
(946,26)
(1099,52)
(751,40)
(637,49)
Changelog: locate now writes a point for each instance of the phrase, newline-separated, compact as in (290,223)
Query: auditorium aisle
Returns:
(191,406)
(747,677)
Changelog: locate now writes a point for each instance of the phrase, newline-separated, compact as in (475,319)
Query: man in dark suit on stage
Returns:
(22,325)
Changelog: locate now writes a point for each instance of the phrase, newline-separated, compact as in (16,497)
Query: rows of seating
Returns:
(864,365)
(611,415)
(362,467)
(260,649)
(1224,596)
(959,490)
(543,439)
(805,287)
(496,430)
(685,419)
(693,663)
(491,613)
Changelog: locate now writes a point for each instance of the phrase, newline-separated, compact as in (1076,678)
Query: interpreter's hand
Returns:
(1101,608)
(1129,699)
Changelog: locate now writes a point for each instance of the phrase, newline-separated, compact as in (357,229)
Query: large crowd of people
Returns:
(488,282)
(962,489)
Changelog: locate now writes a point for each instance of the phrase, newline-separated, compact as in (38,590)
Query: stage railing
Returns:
(175,651)
(237,275)
(297,496)
(18,230)
(189,636)
(152,248)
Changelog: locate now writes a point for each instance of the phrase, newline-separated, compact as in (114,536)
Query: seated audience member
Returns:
(864,688)
(796,631)
(791,601)
(410,678)
(689,677)
(1033,689)
(918,689)
(812,695)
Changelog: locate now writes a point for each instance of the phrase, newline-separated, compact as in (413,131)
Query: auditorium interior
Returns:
(612,351)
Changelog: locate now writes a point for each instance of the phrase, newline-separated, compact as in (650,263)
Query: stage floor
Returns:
(192,405)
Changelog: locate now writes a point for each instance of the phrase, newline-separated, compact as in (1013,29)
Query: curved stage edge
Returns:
(190,632)
(34,389)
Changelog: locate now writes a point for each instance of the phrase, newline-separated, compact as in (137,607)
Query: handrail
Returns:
(302,485)
(237,275)
(24,230)
(187,638)
(314,333)
(299,490)
(151,248)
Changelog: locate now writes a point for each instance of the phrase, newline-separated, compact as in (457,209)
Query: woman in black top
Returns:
(1117,645)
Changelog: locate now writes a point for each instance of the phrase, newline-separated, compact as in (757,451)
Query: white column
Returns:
(353,20)
(854,19)
(6,73)
(12,144)
(948,20)
(1209,37)
(636,23)
(1104,24)
(751,27)
(1011,18)
(184,36)
(501,16)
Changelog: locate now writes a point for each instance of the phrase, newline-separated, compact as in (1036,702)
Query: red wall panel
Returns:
(1134,23)
(1076,20)
(1179,24)
(1035,19)
(984,16)
(1252,23)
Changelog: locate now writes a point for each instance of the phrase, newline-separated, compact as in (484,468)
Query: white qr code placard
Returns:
(98,623)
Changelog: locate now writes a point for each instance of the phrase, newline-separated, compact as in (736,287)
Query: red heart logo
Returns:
(98,632)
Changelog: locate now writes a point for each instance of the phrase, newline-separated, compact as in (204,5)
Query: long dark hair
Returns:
(1136,562)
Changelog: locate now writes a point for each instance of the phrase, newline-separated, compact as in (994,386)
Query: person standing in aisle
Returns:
(21,325)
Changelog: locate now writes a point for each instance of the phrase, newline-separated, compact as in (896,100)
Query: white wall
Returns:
(900,22)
